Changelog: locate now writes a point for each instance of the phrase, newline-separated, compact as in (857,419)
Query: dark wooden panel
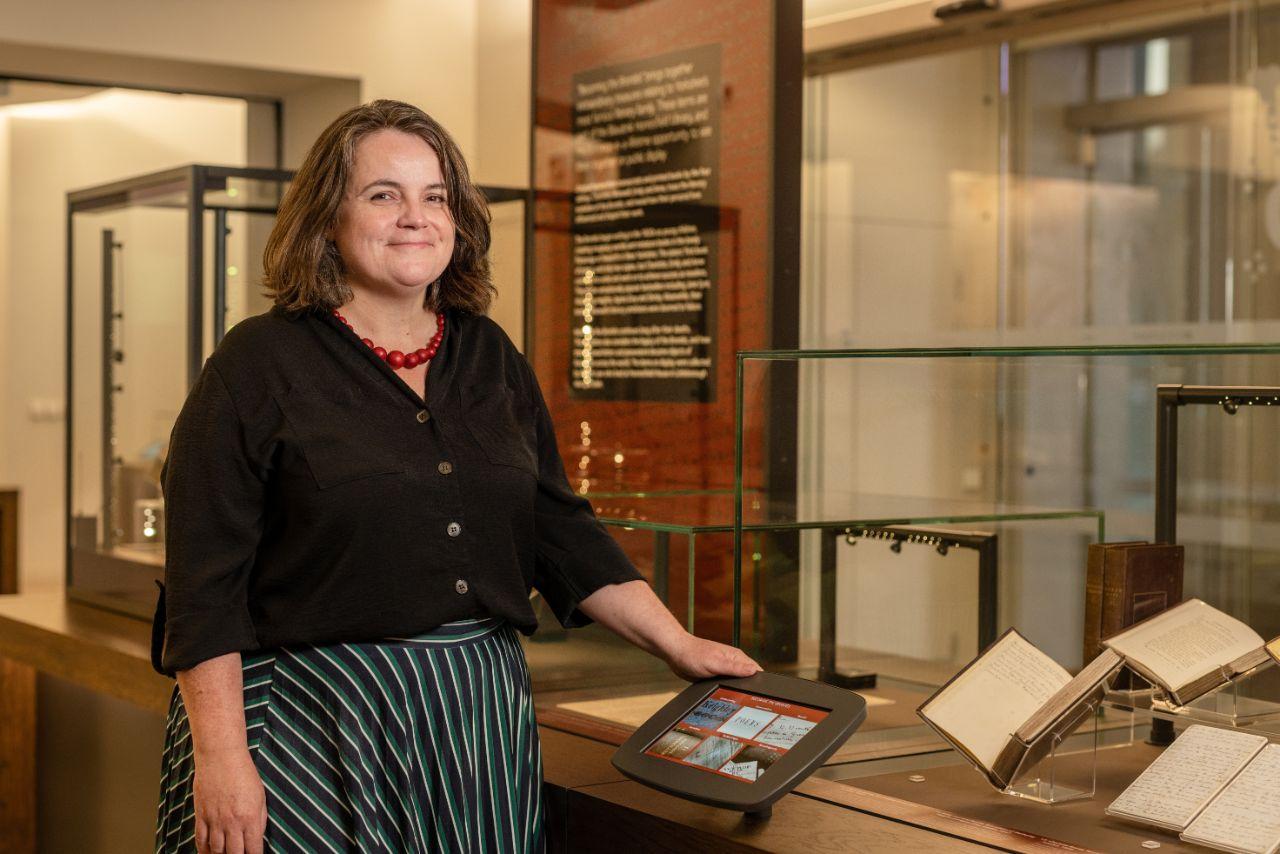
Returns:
(8,541)
(569,761)
(17,758)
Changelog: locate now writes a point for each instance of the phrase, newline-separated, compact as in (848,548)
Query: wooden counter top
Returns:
(102,651)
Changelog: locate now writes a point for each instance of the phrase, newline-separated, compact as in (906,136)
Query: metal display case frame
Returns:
(187,185)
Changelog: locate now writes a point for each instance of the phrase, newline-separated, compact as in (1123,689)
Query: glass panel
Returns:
(1135,158)
(507,266)
(1119,179)
(1047,453)
(1112,184)
(239,278)
(244,210)
(235,192)
(902,201)
(129,378)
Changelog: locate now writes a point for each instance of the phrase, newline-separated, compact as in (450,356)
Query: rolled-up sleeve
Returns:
(576,556)
(214,493)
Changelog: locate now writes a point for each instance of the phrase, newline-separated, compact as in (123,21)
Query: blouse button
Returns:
(461,586)
(445,468)
(454,529)
(423,416)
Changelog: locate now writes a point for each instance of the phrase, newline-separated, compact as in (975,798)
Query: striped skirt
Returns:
(405,745)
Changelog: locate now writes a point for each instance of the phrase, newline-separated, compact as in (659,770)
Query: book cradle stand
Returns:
(1050,780)
(1245,701)
(1242,702)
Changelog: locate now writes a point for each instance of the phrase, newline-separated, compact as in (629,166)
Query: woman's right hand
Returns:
(231,804)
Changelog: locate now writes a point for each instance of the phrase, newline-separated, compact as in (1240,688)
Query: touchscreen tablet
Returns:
(740,743)
(736,734)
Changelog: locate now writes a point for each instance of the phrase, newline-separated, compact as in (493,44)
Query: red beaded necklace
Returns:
(395,358)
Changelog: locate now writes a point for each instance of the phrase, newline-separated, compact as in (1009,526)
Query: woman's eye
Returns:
(435,199)
(379,197)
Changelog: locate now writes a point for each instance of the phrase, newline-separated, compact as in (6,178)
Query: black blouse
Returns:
(311,495)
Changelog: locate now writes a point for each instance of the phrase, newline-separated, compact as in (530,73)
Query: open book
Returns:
(1202,784)
(1005,709)
(1245,816)
(1191,649)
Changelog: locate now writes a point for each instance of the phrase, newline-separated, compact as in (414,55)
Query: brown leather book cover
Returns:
(1138,580)
(1093,587)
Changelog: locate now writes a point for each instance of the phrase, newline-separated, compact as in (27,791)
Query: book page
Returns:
(1246,816)
(1174,788)
(1273,650)
(1186,642)
(1085,684)
(987,702)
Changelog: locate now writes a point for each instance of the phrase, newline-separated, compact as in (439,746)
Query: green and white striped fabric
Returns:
(405,745)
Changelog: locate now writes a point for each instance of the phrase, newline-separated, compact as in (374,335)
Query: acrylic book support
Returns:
(1068,769)
(1244,701)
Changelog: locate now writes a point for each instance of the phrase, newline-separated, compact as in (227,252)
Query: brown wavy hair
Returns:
(303,269)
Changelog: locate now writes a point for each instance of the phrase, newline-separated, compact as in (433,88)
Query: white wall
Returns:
(6,401)
(503,79)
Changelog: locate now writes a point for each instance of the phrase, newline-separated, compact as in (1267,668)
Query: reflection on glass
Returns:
(1122,179)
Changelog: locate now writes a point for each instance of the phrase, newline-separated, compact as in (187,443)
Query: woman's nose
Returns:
(413,215)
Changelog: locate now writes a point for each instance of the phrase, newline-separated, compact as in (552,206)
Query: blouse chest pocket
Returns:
(336,438)
(501,425)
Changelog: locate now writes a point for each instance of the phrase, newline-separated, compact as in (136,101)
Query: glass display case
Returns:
(1051,449)
(158,268)
(934,497)
(1048,448)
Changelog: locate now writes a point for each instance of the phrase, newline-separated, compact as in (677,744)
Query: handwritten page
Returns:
(987,703)
(1246,816)
(1174,788)
(785,732)
(1186,642)
(713,752)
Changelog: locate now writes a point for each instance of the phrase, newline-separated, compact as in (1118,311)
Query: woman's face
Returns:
(393,227)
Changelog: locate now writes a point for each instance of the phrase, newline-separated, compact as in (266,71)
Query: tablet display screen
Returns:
(735,734)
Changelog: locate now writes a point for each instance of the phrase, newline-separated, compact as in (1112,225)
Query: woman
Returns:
(361,489)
